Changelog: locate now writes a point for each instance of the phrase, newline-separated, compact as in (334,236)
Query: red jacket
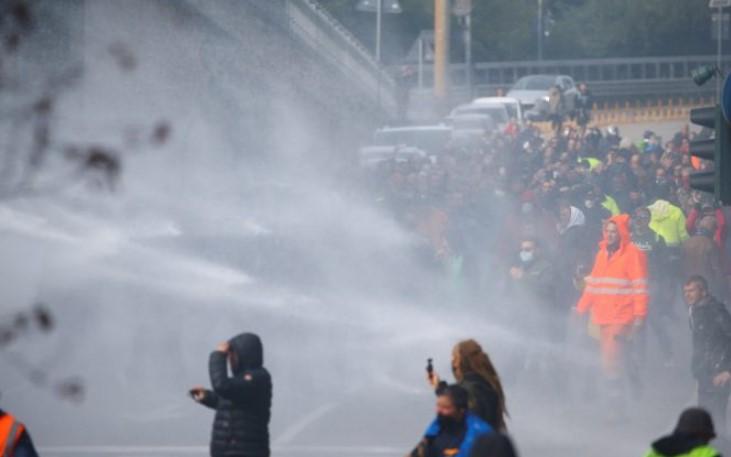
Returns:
(616,288)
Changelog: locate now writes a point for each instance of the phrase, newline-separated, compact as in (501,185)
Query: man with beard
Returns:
(454,432)
(616,296)
(710,324)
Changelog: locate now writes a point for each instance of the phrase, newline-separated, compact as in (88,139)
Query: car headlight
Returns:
(545,98)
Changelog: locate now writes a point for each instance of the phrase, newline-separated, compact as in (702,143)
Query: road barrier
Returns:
(670,109)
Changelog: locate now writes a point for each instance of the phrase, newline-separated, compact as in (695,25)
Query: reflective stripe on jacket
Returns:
(10,432)
(700,451)
(616,288)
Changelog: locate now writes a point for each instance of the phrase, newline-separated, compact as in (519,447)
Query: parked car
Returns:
(512,105)
(532,91)
(431,139)
(468,129)
(372,156)
(496,111)
(405,143)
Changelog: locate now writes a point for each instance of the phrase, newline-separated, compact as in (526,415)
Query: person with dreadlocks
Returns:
(474,372)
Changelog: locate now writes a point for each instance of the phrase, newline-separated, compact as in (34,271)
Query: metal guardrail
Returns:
(315,27)
(331,40)
(590,70)
(607,78)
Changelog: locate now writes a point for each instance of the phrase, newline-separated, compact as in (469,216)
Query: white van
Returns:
(512,105)
(496,111)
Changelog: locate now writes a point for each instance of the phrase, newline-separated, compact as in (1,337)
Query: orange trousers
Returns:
(613,344)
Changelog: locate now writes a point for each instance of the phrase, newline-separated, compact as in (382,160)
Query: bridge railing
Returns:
(326,36)
(314,29)
(591,70)
(607,78)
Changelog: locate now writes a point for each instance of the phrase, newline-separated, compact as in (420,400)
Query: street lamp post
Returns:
(539,27)
(379,7)
(719,49)
(719,5)
(379,17)
(463,10)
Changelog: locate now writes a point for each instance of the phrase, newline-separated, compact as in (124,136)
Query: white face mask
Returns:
(526,257)
(589,203)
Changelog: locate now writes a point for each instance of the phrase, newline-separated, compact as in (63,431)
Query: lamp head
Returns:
(703,74)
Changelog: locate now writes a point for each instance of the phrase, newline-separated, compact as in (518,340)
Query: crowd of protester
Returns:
(473,205)
(572,222)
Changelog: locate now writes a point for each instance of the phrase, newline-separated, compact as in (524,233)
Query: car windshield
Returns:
(429,140)
(496,113)
(539,82)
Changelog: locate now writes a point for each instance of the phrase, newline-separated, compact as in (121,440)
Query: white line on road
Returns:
(298,427)
(203,450)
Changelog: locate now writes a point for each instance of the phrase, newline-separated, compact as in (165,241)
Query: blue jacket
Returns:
(476,427)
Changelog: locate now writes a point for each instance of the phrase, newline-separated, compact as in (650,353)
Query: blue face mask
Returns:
(526,256)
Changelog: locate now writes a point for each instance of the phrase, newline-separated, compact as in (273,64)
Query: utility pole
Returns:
(441,51)
(379,18)
(539,27)
(719,49)
(719,5)
(463,10)
(468,52)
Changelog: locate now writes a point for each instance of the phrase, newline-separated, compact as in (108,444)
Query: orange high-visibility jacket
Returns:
(616,288)
(10,432)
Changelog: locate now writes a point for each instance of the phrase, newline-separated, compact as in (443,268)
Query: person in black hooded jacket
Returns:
(689,439)
(242,401)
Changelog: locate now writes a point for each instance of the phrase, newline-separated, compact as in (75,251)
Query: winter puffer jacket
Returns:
(616,290)
(710,323)
(681,446)
(242,402)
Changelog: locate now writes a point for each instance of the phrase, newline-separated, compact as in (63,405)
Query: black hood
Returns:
(248,350)
(677,444)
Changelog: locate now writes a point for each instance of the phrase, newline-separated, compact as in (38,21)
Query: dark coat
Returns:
(483,399)
(710,323)
(493,445)
(242,402)
(658,270)
(575,248)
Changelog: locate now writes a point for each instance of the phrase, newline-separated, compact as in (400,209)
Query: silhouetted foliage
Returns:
(31,142)
(12,328)
(507,29)
(26,159)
